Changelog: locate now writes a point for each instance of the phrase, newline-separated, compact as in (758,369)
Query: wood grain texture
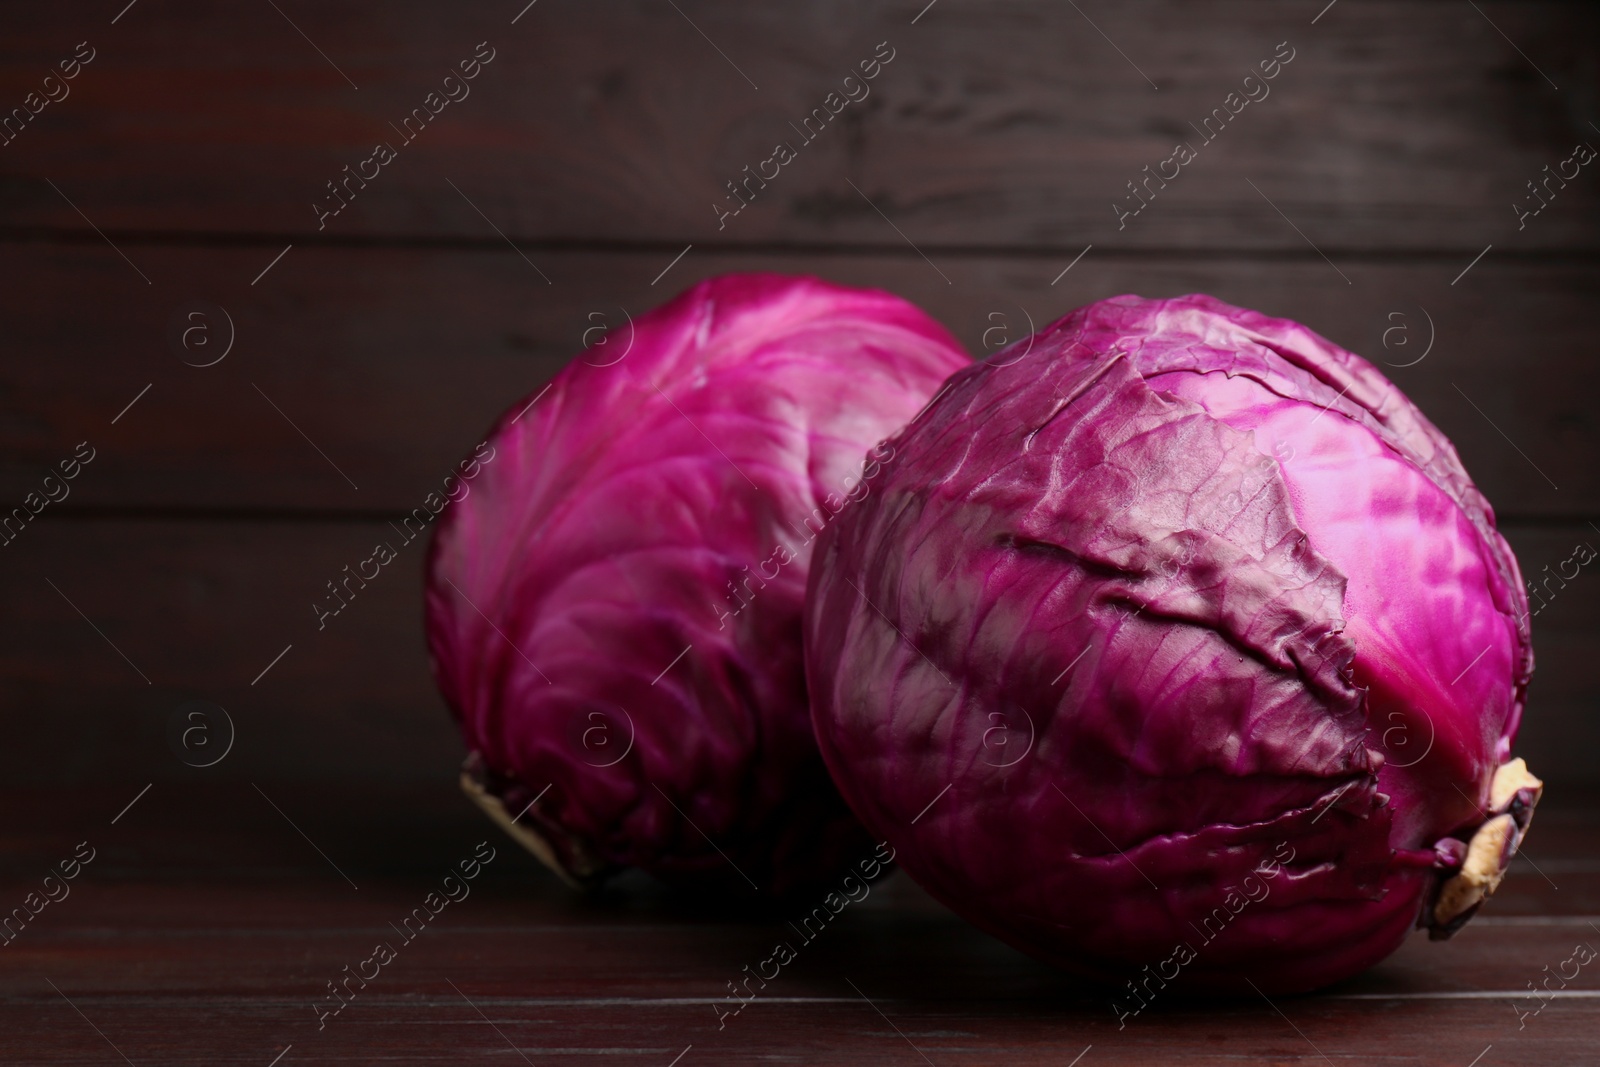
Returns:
(394,362)
(997,124)
(206,929)
(201,608)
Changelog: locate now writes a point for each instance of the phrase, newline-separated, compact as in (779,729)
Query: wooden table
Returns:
(211,919)
(268,371)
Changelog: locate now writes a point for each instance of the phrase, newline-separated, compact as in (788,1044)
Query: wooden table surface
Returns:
(208,924)
(267,371)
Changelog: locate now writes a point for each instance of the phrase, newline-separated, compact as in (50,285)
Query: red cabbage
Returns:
(613,607)
(1176,646)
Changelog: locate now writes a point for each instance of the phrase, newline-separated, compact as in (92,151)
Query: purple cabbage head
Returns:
(1176,646)
(613,606)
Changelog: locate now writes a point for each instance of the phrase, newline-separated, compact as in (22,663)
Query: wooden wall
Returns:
(189,151)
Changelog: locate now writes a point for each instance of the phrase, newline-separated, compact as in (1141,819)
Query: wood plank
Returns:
(202,608)
(393,362)
(397,834)
(444,1028)
(441,1027)
(996,124)
(631,942)
(177,948)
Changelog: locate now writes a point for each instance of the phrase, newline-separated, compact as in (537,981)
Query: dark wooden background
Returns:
(372,354)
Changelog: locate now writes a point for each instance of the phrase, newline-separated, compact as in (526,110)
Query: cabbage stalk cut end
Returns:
(562,853)
(1512,797)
